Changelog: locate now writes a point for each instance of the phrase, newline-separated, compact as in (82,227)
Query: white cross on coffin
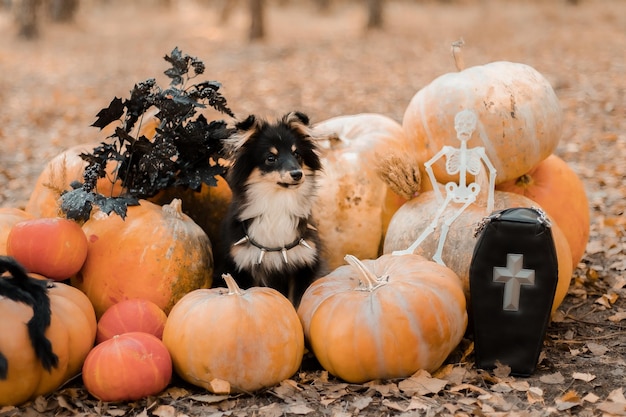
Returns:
(513,276)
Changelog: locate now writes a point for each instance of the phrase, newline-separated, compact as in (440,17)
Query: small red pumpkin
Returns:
(53,247)
(132,315)
(127,367)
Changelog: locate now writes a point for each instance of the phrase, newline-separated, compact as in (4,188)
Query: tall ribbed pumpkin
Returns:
(157,253)
(519,116)
(384,318)
(353,199)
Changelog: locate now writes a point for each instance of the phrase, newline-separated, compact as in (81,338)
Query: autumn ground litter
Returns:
(326,65)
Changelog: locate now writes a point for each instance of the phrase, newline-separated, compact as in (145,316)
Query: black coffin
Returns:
(513,277)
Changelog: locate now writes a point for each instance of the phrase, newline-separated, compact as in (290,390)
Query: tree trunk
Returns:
(257,18)
(62,10)
(375,14)
(25,12)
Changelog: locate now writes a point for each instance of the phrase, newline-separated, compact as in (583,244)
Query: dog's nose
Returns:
(296,174)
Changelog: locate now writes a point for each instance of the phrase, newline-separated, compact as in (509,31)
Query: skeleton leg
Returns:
(445,228)
(430,229)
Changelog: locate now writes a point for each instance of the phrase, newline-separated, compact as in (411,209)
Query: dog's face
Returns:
(279,155)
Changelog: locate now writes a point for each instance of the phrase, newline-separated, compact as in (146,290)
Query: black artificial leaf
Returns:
(77,204)
(118,205)
(141,99)
(110,114)
(180,66)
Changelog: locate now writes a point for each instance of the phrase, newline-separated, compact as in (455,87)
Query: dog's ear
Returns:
(246,124)
(242,132)
(296,117)
(299,123)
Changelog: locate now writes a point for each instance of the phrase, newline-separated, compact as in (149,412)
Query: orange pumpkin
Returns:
(157,253)
(417,214)
(127,367)
(519,117)
(233,340)
(59,173)
(353,199)
(132,315)
(555,186)
(384,318)
(9,216)
(71,335)
(207,207)
(53,247)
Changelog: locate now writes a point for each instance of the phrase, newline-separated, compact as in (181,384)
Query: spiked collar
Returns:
(246,239)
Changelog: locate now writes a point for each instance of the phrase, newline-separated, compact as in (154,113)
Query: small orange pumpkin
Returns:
(157,253)
(384,318)
(244,340)
(417,214)
(127,367)
(53,247)
(555,186)
(24,375)
(132,315)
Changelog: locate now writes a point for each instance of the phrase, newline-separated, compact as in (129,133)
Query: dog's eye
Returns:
(270,159)
(297,155)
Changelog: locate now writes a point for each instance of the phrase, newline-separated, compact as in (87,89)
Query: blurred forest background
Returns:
(61,61)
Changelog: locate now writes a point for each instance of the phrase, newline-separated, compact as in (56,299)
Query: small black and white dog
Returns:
(269,235)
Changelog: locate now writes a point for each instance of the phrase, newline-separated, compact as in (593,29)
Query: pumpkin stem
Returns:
(174,208)
(233,288)
(369,281)
(458,55)
(524,180)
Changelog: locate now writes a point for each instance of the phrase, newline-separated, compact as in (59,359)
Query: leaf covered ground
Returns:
(326,65)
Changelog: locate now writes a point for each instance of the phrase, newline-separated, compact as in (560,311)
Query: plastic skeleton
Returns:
(461,161)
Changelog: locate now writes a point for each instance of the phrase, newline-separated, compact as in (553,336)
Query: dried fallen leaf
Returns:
(208,398)
(568,400)
(421,383)
(164,411)
(591,398)
(555,378)
(502,370)
(597,349)
(219,386)
(534,395)
(583,376)
(617,317)
(300,409)
(617,396)
(362,402)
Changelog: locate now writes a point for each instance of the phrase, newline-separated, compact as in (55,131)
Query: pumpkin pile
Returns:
(519,127)
(143,265)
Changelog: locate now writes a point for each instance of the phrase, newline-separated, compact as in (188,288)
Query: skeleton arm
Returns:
(492,178)
(431,175)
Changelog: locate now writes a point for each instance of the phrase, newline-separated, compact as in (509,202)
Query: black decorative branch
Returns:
(184,152)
